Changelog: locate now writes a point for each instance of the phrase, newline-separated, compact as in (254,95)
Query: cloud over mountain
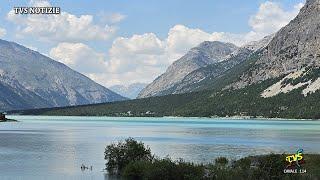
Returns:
(3,32)
(63,27)
(79,57)
(271,17)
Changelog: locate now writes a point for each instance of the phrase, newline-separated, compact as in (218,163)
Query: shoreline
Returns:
(9,120)
(175,117)
(273,119)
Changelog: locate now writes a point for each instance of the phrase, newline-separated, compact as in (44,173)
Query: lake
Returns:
(41,147)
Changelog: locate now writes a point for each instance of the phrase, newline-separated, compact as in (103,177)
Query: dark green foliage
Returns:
(186,170)
(271,166)
(249,168)
(136,169)
(242,164)
(160,169)
(222,161)
(161,106)
(119,155)
(163,169)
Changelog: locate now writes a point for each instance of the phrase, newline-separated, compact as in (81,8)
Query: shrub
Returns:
(243,163)
(119,155)
(132,160)
(136,170)
(222,161)
(271,166)
(186,170)
(163,169)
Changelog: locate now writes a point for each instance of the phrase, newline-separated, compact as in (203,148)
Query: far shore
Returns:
(266,118)
(177,117)
(8,120)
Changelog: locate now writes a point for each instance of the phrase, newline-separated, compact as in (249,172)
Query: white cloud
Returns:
(111,17)
(79,57)
(143,50)
(39,3)
(144,56)
(141,58)
(181,39)
(271,17)
(3,32)
(63,27)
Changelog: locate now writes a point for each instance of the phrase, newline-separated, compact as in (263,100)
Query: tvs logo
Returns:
(294,163)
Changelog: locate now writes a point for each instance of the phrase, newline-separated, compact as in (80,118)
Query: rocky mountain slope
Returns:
(194,80)
(201,78)
(293,48)
(31,80)
(204,54)
(131,91)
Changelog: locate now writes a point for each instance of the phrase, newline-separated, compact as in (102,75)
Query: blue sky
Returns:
(134,41)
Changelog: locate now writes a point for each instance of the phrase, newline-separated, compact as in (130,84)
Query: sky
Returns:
(123,42)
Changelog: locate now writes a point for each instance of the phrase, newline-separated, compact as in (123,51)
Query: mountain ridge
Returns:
(130,91)
(193,80)
(204,54)
(293,47)
(48,82)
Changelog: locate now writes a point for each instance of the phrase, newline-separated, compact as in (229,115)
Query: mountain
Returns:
(197,79)
(201,78)
(31,80)
(295,47)
(204,54)
(281,80)
(131,91)
(259,44)
(204,77)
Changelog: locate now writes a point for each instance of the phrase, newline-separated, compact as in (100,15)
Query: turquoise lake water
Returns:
(40,147)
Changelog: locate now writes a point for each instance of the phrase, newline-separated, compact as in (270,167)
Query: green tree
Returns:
(119,155)
(221,161)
